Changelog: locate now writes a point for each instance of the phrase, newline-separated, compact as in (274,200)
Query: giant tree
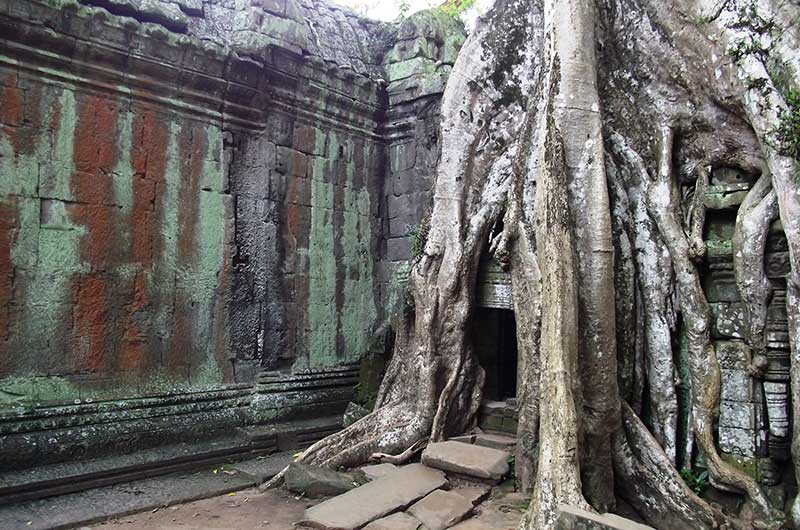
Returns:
(578,139)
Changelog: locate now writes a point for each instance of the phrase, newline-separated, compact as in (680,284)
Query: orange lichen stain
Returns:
(8,214)
(134,339)
(12,110)
(150,139)
(149,158)
(95,155)
(92,342)
(192,149)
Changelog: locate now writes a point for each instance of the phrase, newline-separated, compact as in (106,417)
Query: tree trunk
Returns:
(588,128)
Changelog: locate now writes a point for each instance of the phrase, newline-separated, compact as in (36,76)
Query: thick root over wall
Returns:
(551,104)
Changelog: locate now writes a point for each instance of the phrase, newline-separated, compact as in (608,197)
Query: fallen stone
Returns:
(353,413)
(474,494)
(496,441)
(441,509)
(317,481)
(572,518)
(396,521)
(376,499)
(471,460)
(378,470)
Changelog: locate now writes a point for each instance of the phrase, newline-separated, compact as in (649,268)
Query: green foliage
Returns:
(454,8)
(696,480)
(418,237)
(366,396)
(788,130)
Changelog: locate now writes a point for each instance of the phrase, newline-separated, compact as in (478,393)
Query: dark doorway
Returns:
(496,346)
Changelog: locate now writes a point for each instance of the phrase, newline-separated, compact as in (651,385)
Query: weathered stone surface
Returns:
(496,441)
(377,471)
(317,481)
(441,509)
(396,521)
(376,499)
(474,494)
(571,518)
(353,413)
(471,460)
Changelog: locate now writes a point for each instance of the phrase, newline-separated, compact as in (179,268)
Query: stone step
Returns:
(376,499)
(441,509)
(500,416)
(243,444)
(466,459)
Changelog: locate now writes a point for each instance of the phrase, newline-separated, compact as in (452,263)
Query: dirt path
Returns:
(244,510)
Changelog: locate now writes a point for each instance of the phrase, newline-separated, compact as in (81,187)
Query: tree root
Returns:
(403,457)
(703,364)
(649,482)
(390,429)
(758,210)
(655,283)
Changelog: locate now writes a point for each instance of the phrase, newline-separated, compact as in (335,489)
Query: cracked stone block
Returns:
(733,355)
(741,442)
(737,385)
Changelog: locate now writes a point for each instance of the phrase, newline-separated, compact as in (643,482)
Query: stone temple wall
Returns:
(197,201)
(205,208)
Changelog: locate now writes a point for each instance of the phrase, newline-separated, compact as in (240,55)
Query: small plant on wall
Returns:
(418,237)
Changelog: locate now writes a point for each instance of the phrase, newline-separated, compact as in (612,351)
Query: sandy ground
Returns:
(243,510)
(279,510)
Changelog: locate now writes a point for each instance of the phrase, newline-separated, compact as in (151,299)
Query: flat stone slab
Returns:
(572,518)
(396,521)
(441,509)
(471,460)
(376,499)
(496,441)
(478,524)
(474,494)
(378,470)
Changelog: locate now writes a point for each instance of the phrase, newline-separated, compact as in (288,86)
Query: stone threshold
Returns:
(248,443)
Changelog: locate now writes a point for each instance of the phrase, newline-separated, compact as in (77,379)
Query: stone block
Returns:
(402,156)
(474,494)
(441,509)
(398,249)
(720,286)
(310,140)
(737,385)
(571,518)
(376,471)
(396,521)
(353,413)
(739,442)
(376,499)
(291,162)
(733,354)
(471,460)
(729,320)
(737,414)
(317,481)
